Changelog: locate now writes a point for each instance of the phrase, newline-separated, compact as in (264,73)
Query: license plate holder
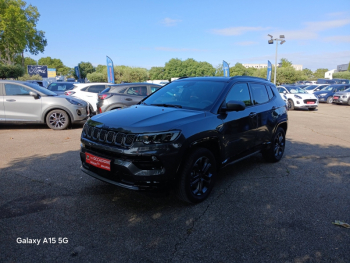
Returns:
(336,98)
(310,102)
(98,162)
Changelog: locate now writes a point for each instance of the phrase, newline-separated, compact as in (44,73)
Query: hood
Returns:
(140,118)
(342,93)
(59,97)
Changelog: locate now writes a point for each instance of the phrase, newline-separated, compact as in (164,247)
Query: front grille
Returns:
(310,100)
(109,137)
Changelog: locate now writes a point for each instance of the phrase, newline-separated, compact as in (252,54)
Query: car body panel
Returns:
(323,95)
(342,97)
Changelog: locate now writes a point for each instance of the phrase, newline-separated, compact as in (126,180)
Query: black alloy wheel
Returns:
(197,176)
(57,120)
(275,152)
(290,104)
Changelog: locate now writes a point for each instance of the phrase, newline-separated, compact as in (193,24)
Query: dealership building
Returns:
(296,67)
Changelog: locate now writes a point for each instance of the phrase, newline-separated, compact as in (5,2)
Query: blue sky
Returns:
(150,32)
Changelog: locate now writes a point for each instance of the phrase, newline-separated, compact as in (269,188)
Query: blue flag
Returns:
(269,70)
(225,68)
(110,70)
(77,71)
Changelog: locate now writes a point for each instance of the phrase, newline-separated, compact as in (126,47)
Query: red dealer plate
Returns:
(310,102)
(98,162)
(336,98)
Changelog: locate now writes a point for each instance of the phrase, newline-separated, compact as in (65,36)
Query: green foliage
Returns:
(239,70)
(97,77)
(11,71)
(129,74)
(100,68)
(288,75)
(28,77)
(219,72)
(319,73)
(349,67)
(53,63)
(187,68)
(18,30)
(309,75)
(285,63)
(156,73)
(341,75)
(86,68)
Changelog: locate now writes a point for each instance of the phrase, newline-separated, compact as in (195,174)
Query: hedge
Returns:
(10,71)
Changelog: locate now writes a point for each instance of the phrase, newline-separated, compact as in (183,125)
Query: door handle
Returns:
(128,99)
(252,114)
(11,100)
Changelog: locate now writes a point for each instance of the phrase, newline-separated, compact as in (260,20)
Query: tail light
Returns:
(100,110)
(69,93)
(104,96)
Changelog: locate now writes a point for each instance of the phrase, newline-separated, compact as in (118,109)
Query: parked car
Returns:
(27,102)
(312,88)
(326,94)
(41,83)
(182,134)
(88,92)
(342,81)
(70,80)
(124,95)
(325,81)
(342,97)
(163,83)
(61,87)
(298,98)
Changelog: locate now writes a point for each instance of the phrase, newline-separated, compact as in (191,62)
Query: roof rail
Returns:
(249,77)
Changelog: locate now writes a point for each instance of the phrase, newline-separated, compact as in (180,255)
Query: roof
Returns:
(223,79)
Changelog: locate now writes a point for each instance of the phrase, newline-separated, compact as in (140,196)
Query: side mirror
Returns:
(234,105)
(284,92)
(35,95)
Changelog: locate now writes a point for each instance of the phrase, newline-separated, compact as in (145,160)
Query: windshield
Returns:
(312,87)
(347,90)
(328,88)
(60,86)
(41,89)
(295,90)
(191,94)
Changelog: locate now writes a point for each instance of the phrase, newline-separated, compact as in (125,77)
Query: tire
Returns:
(197,176)
(57,120)
(278,143)
(349,102)
(312,109)
(290,104)
(330,100)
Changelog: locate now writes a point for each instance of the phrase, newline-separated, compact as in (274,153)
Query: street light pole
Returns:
(271,42)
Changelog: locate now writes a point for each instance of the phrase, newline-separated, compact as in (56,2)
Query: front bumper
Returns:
(80,114)
(152,167)
(302,104)
(341,100)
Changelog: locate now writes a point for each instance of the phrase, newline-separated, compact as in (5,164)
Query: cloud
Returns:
(235,31)
(338,39)
(170,22)
(246,43)
(180,49)
(312,29)
(337,14)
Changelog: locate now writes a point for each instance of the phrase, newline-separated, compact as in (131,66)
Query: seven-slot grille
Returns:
(310,100)
(111,137)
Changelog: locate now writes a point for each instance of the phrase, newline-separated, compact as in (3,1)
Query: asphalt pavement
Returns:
(257,212)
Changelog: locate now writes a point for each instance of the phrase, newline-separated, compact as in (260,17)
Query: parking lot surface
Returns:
(257,212)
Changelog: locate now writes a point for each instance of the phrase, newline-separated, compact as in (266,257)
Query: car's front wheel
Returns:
(291,104)
(57,120)
(330,100)
(278,143)
(197,176)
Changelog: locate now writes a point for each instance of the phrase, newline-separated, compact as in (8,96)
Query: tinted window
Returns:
(16,90)
(122,91)
(60,86)
(270,91)
(153,89)
(259,93)
(239,92)
(139,90)
(96,88)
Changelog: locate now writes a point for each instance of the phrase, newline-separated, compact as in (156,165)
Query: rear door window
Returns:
(240,92)
(96,88)
(137,90)
(260,95)
(270,92)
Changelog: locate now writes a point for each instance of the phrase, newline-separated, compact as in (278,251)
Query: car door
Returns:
(19,105)
(263,108)
(135,94)
(239,127)
(2,109)
(91,94)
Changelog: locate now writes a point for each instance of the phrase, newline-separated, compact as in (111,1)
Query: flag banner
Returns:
(77,71)
(269,70)
(226,69)
(110,70)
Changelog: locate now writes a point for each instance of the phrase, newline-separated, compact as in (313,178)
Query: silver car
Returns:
(342,97)
(25,102)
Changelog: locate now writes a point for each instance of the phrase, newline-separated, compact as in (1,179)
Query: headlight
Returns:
(298,97)
(162,137)
(74,102)
(323,94)
(344,97)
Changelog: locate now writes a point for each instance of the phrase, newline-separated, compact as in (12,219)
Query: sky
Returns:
(148,33)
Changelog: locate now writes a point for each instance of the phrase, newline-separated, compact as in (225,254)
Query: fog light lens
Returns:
(79,112)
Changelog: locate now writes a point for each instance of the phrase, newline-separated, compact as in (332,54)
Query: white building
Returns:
(329,74)
(296,67)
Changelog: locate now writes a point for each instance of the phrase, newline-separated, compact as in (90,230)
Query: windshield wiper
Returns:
(167,105)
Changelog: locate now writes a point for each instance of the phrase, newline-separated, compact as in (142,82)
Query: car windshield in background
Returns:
(41,89)
(328,88)
(295,90)
(191,94)
(311,87)
(60,86)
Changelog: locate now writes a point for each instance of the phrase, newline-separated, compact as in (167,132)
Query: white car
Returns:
(88,92)
(298,98)
(312,88)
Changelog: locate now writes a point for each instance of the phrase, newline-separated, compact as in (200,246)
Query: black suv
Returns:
(180,135)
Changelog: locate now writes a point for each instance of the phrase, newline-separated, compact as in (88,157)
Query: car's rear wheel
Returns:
(291,104)
(197,176)
(330,100)
(57,120)
(278,143)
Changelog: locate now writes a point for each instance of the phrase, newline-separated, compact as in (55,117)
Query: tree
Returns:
(29,77)
(187,68)
(285,63)
(349,67)
(319,73)
(156,73)
(18,32)
(86,68)
(341,75)
(97,77)
(308,73)
(238,70)
(53,63)
(11,71)
(100,68)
